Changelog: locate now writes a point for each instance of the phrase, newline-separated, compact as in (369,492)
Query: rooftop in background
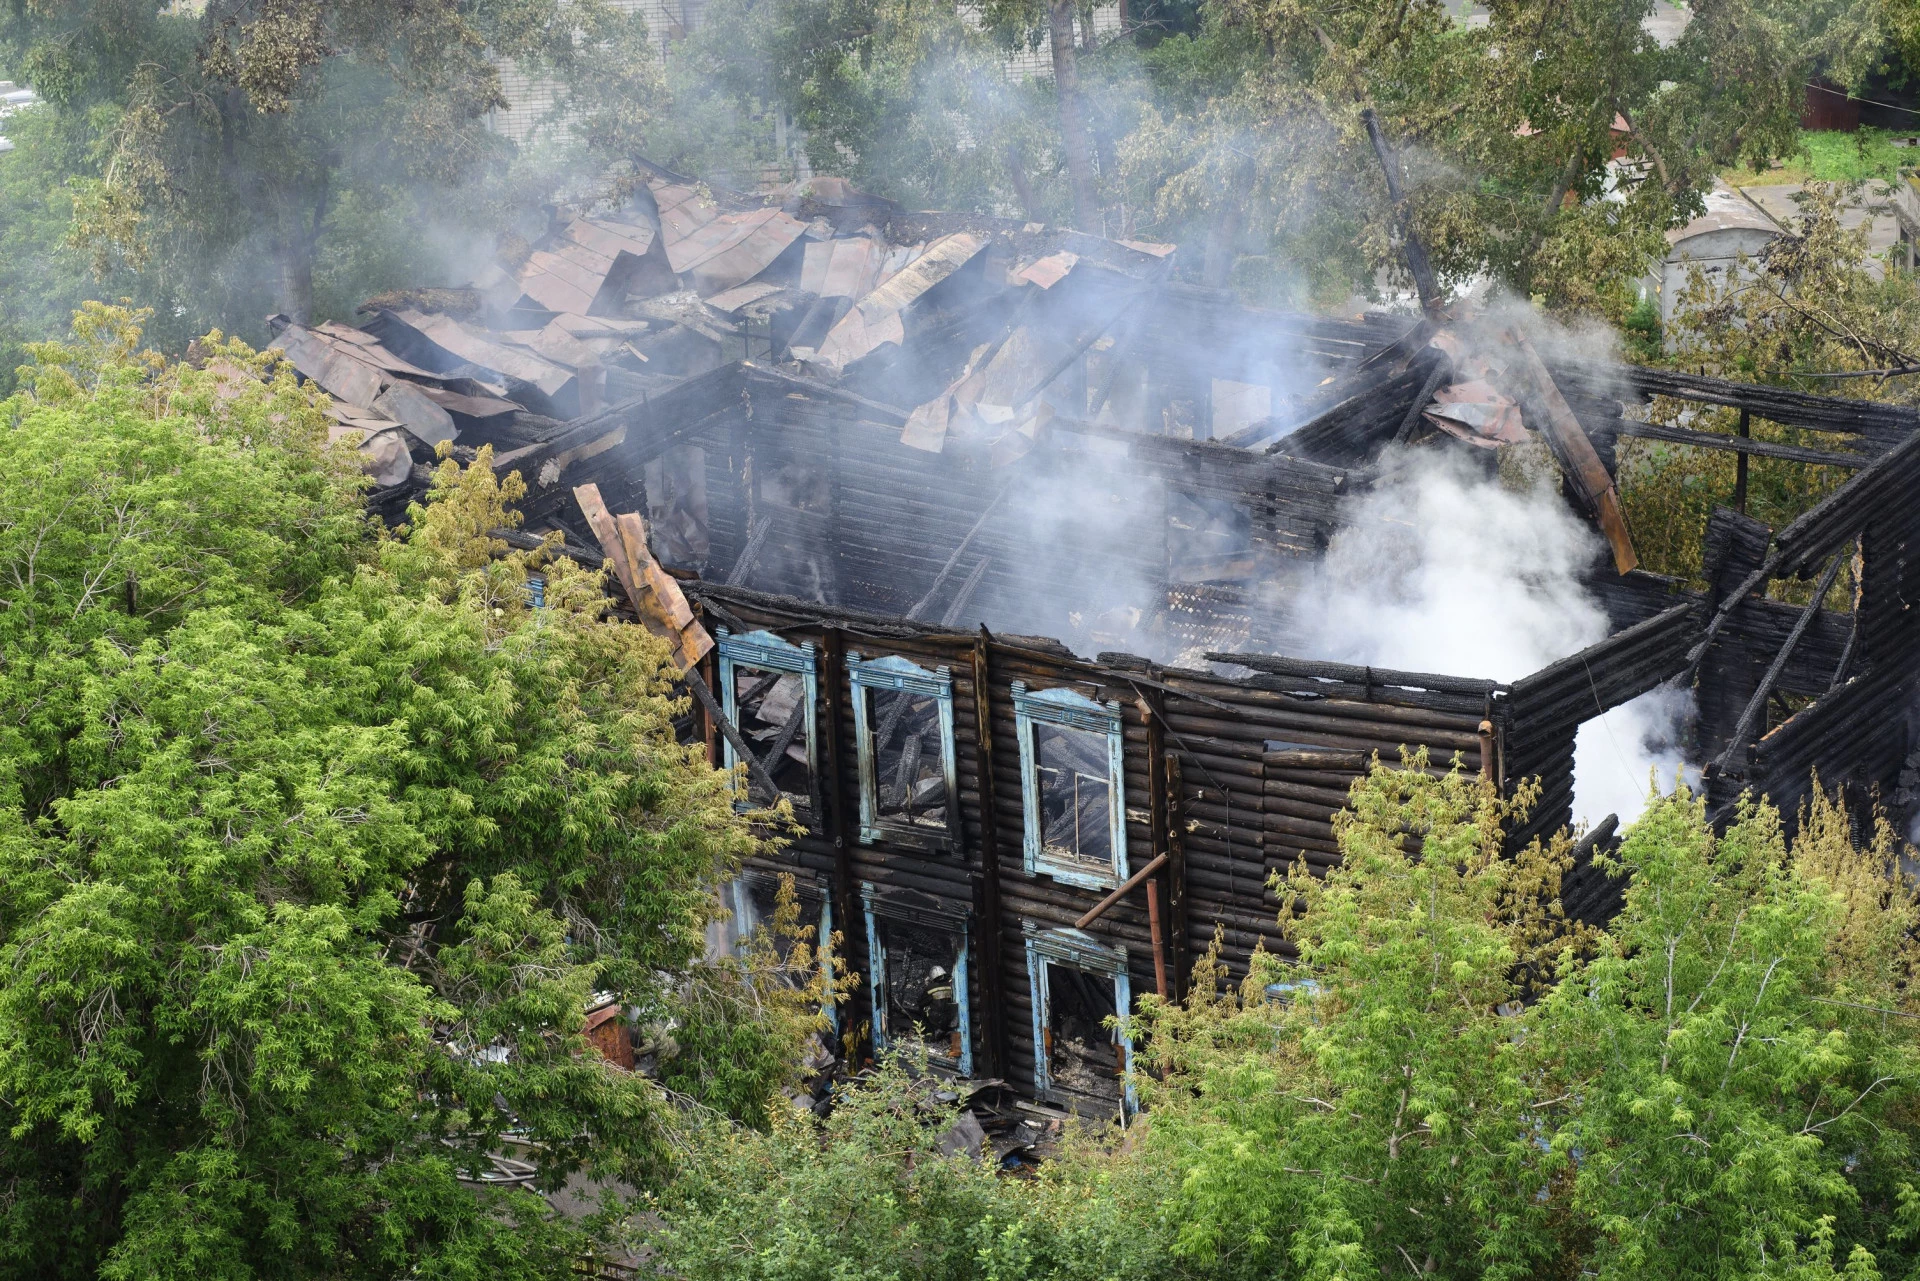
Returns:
(13,98)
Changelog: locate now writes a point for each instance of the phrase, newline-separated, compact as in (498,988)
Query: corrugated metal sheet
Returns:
(732,300)
(569,276)
(875,319)
(842,268)
(477,348)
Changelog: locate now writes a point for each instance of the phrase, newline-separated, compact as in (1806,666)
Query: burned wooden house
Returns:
(977,544)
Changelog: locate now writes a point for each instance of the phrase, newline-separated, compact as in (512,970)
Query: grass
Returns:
(1833,157)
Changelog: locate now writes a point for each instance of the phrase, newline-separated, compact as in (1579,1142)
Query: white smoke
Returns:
(1443,568)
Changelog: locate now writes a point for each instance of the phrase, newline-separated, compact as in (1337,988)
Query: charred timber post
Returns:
(1418,263)
(992,981)
(1574,452)
(1749,718)
(834,645)
(1150,715)
(1740,466)
(1120,891)
(1153,931)
(1176,872)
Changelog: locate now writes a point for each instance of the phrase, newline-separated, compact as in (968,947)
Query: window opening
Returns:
(917,962)
(1072,787)
(771,690)
(903,723)
(752,898)
(1077,984)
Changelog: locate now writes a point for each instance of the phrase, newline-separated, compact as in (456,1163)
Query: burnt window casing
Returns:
(770,689)
(917,973)
(1072,788)
(903,725)
(1076,984)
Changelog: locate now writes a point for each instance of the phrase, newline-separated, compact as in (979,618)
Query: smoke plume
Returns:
(1444,568)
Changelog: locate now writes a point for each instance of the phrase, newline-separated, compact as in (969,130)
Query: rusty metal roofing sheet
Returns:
(610,237)
(471,406)
(732,300)
(477,348)
(564,279)
(875,319)
(337,367)
(1046,272)
(683,211)
(842,268)
(568,274)
(767,234)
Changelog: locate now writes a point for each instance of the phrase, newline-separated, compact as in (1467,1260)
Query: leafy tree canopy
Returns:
(314,845)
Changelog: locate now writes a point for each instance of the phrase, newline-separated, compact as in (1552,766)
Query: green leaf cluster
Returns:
(315,846)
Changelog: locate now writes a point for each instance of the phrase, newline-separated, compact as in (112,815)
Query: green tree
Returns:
(1496,137)
(313,846)
(248,158)
(1737,1066)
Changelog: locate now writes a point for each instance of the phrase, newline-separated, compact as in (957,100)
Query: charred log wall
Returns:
(1259,766)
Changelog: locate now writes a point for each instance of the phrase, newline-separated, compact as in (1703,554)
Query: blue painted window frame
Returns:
(1081,951)
(1075,711)
(895,673)
(876,910)
(767,652)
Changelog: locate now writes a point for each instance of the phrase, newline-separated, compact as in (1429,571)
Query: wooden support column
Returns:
(1152,713)
(834,688)
(992,980)
(1745,432)
(1176,873)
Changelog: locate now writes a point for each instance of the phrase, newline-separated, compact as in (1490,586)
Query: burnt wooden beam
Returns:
(1743,729)
(1742,445)
(1159,822)
(921,606)
(965,594)
(1176,855)
(1886,485)
(992,980)
(834,691)
(743,563)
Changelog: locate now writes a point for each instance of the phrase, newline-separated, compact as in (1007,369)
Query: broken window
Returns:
(770,690)
(917,975)
(903,723)
(1078,984)
(676,486)
(1071,786)
(752,899)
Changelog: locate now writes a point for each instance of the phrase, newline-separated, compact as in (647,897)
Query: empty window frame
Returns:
(770,689)
(752,898)
(1071,786)
(903,724)
(917,968)
(1076,984)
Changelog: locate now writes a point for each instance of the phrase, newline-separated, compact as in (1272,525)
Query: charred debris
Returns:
(975,539)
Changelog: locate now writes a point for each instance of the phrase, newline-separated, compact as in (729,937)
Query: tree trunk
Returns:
(294,253)
(1418,264)
(1017,172)
(1073,121)
(1222,245)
